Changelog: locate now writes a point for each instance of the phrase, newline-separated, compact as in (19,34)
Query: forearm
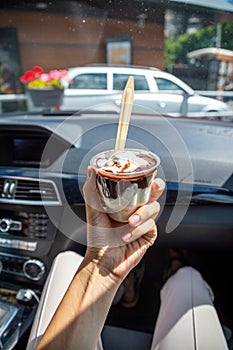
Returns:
(79,318)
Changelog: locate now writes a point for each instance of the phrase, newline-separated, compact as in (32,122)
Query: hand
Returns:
(118,247)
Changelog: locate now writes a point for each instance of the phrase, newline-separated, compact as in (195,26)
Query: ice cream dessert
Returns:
(129,163)
(124,180)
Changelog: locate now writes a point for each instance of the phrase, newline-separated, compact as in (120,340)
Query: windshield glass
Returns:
(77,55)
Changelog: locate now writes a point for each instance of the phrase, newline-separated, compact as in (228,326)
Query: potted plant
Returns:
(45,89)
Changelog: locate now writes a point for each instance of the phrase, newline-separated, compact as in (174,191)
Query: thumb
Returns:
(90,191)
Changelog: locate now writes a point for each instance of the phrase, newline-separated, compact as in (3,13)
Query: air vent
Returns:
(35,191)
(29,191)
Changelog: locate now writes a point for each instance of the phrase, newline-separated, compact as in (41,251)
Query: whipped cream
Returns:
(125,162)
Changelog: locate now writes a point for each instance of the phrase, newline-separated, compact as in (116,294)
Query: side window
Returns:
(164,84)
(90,81)
(120,80)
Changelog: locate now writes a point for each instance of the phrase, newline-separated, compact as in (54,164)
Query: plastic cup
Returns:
(124,191)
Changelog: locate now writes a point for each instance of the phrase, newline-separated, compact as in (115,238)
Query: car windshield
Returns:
(85,176)
(73,56)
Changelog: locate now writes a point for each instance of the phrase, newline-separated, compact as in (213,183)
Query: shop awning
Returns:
(224,5)
(212,52)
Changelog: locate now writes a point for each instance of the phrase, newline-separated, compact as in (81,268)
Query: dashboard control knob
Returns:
(34,269)
(5,224)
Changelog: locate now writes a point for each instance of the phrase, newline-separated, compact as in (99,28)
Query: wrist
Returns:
(100,273)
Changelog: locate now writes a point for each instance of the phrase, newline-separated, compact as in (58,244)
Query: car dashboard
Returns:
(43,163)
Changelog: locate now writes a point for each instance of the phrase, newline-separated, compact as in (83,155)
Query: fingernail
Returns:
(134,220)
(127,236)
(159,183)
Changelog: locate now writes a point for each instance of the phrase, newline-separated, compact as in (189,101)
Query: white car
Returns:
(100,87)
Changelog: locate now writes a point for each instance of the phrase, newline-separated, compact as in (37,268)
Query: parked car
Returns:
(100,87)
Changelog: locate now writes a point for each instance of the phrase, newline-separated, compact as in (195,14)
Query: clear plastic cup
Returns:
(125,188)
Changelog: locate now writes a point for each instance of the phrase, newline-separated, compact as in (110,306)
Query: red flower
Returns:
(28,76)
(38,69)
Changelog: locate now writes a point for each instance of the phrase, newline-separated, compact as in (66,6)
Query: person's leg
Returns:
(187,319)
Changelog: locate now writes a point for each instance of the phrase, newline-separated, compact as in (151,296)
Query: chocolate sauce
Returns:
(109,185)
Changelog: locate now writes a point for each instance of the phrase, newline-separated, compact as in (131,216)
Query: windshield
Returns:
(74,56)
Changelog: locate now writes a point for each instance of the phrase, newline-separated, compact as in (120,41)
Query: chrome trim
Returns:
(14,201)
(40,264)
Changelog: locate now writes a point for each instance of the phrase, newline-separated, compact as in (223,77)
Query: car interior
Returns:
(43,213)
(44,155)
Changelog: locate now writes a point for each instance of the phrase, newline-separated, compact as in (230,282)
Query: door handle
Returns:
(162,104)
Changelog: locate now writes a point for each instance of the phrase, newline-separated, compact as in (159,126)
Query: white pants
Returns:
(187,319)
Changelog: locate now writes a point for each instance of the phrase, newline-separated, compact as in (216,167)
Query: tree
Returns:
(176,49)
